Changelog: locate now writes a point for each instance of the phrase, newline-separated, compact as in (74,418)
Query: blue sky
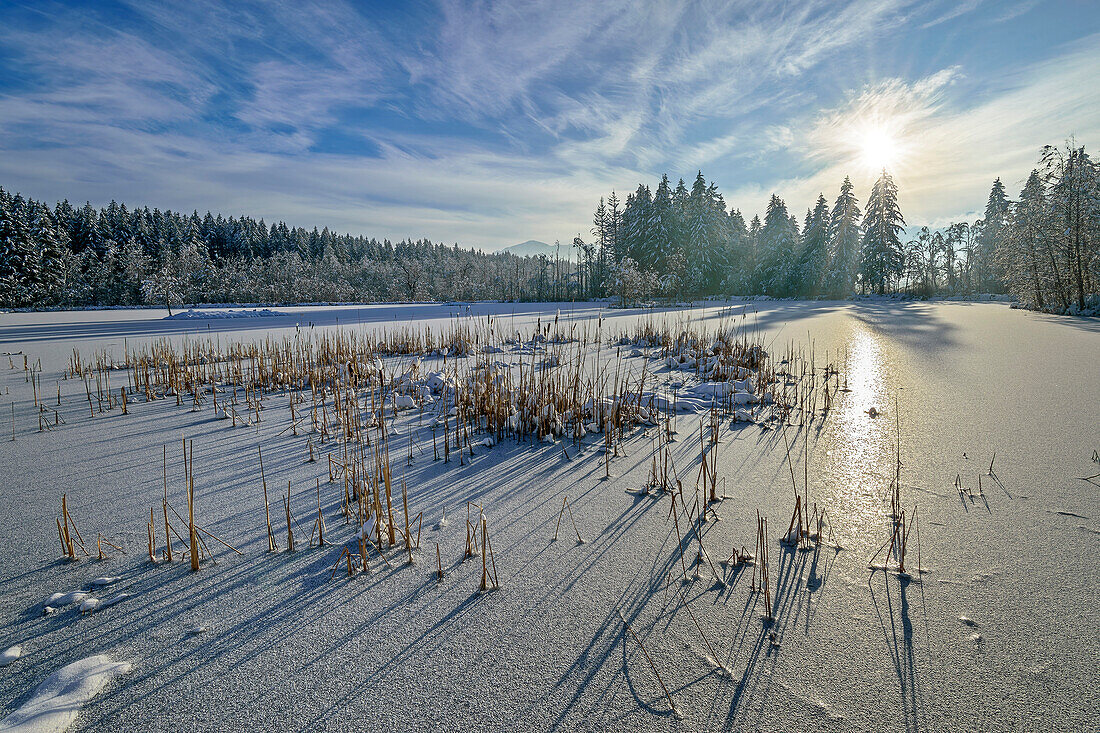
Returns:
(491,123)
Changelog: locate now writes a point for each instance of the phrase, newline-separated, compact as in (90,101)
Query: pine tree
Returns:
(993,232)
(844,236)
(19,265)
(702,236)
(738,255)
(814,260)
(661,228)
(882,257)
(614,227)
(775,271)
(636,237)
(51,247)
(610,252)
(752,250)
(594,256)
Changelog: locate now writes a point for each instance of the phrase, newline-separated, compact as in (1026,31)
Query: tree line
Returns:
(675,242)
(671,242)
(71,257)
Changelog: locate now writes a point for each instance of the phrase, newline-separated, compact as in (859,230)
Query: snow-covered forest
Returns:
(72,257)
(1043,247)
(672,242)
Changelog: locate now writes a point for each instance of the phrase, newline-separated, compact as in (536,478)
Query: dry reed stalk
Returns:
(679,537)
(194,550)
(320,525)
(580,541)
(271,546)
(387,479)
(561,513)
(216,539)
(164,506)
(289,530)
(484,569)
(761,567)
(492,555)
(152,535)
(67,523)
(408,532)
(337,565)
(61,538)
(723,669)
(661,682)
(470,539)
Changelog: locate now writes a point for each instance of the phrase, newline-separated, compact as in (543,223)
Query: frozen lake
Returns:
(1002,633)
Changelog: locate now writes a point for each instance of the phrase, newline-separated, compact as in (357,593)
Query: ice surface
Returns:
(398,650)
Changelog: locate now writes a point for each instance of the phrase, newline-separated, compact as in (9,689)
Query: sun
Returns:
(878,149)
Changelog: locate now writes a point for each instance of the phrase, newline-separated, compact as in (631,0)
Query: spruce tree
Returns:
(844,235)
(19,267)
(992,237)
(882,257)
(51,246)
(738,257)
(814,261)
(661,228)
(636,236)
(778,241)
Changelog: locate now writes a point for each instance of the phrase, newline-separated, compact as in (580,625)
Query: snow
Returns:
(57,600)
(203,313)
(90,605)
(57,700)
(10,654)
(397,649)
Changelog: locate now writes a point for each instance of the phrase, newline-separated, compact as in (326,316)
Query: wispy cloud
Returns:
(952,146)
(489,122)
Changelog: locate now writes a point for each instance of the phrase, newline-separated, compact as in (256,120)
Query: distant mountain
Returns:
(533,247)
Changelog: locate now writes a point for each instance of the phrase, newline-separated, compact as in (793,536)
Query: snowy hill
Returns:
(533,248)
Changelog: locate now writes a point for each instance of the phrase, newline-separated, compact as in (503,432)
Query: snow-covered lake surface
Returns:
(1001,633)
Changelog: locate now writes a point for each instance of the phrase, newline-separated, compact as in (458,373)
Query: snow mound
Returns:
(193,313)
(57,600)
(57,700)
(91,605)
(10,654)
